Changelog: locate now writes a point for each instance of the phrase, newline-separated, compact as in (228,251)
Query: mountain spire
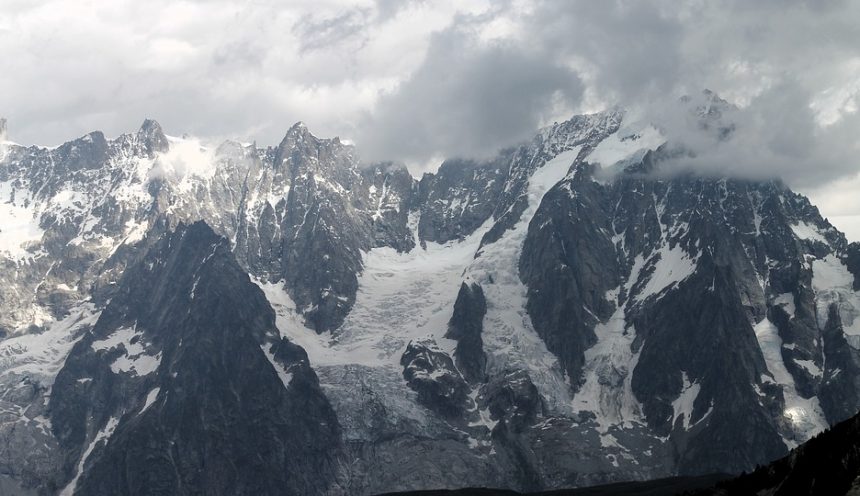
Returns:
(152,136)
(3,136)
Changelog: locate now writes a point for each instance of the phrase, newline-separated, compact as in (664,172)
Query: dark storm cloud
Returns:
(467,99)
(631,49)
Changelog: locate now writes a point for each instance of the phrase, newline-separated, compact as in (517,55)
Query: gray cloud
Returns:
(791,66)
(467,99)
(774,136)
(631,50)
(315,33)
(386,9)
(216,68)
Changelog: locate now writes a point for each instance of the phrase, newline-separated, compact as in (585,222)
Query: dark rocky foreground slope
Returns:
(674,486)
(184,386)
(561,315)
(828,464)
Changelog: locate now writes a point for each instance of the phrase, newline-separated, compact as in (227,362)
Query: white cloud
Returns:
(211,68)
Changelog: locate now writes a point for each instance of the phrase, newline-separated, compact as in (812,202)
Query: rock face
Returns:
(461,196)
(852,260)
(747,277)
(432,374)
(185,386)
(178,318)
(465,327)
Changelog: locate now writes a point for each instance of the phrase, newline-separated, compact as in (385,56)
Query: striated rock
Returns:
(465,327)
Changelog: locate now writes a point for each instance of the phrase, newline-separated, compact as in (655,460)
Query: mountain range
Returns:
(178,318)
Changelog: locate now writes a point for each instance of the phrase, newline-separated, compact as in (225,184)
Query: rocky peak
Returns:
(3,135)
(298,128)
(185,351)
(193,244)
(706,97)
(297,135)
(152,137)
(581,129)
(711,113)
(89,152)
(304,155)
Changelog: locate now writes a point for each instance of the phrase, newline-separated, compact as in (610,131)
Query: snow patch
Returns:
(484,417)
(683,404)
(807,231)
(381,200)
(150,399)
(786,301)
(670,267)
(624,146)
(41,355)
(19,224)
(607,388)
(103,435)
(810,366)
(139,364)
(134,360)
(135,231)
(805,414)
(833,284)
(286,377)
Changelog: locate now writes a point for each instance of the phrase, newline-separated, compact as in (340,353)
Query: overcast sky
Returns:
(415,81)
